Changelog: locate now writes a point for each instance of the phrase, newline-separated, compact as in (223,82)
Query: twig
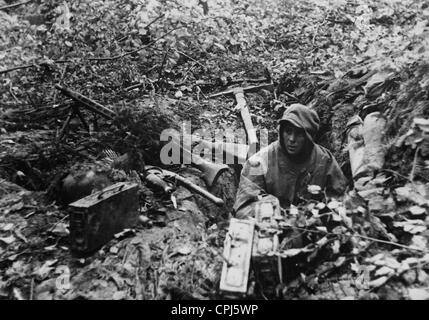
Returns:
(133,51)
(32,289)
(66,124)
(291,96)
(135,86)
(26,66)
(14,5)
(57,223)
(316,33)
(17,68)
(397,173)
(30,214)
(61,79)
(364,237)
(186,56)
(155,20)
(12,94)
(161,68)
(413,169)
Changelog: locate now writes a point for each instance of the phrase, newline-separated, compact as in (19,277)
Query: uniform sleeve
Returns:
(336,181)
(252,186)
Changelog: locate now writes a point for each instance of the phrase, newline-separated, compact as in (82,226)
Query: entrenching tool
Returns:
(241,106)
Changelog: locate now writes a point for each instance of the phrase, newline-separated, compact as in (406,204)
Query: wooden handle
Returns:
(192,186)
(248,125)
(201,191)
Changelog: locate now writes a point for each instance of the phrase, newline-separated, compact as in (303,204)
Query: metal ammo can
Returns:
(95,219)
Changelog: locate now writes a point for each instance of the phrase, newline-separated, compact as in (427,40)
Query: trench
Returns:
(180,250)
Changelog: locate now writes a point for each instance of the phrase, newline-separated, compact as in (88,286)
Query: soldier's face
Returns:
(294,139)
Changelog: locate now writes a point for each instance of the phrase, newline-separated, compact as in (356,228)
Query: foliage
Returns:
(342,57)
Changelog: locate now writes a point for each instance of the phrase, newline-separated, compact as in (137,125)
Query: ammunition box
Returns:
(237,253)
(266,265)
(95,219)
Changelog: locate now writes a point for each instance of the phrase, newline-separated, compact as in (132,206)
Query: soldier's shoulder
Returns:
(324,153)
(262,155)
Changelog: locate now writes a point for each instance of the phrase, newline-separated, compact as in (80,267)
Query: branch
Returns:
(133,51)
(17,68)
(186,56)
(87,103)
(26,66)
(364,237)
(14,5)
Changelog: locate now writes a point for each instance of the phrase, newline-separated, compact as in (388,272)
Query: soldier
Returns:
(286,167)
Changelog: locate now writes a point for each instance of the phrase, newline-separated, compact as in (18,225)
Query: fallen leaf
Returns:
(336,246)
(185,250)
(8,240)
(320,206)
(120,295)
(419,242)
(178,94)
(336,217)
(322,229)
(45,269)
(415,192)
(333,204)
(422,276)
(377,78)
(18,294)
(340,261)
(322,241)
(61,229)
(378,282)
(7,227)
(411,260)
(16,207)
(314,189)
(414,229)
(290,253)
(375,258)
(384,271)
(20,236)
(392,263)
(293,210)
(416,210)
(418,294)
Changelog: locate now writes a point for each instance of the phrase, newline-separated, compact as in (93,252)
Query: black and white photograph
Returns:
(240,151)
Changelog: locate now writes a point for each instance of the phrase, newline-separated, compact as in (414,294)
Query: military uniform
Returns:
(272,171)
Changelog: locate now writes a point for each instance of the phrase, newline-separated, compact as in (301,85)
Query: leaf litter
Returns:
(343,59)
